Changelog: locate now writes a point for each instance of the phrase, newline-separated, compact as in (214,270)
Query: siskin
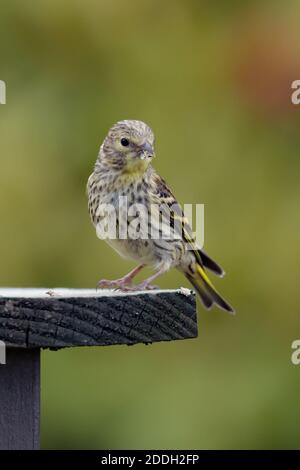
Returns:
(123,172)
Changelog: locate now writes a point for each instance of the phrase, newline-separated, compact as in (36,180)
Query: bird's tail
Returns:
(206,290)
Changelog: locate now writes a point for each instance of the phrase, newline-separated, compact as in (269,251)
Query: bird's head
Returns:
(128,146)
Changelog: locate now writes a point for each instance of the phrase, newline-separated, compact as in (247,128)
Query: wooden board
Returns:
(31,318)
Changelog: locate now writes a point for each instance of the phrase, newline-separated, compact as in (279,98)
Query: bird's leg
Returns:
(146,284)
(121,283)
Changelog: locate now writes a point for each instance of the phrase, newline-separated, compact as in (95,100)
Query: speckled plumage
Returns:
(126,171)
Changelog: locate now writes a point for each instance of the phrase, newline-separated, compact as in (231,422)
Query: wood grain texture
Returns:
(20,400)
(66,318)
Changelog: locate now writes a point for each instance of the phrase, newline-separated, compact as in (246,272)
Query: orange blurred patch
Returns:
(266,56)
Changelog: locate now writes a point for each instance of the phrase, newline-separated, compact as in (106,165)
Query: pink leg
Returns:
(146,284)
(121,283)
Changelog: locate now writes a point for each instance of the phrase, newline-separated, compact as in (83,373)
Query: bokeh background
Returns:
(213,79)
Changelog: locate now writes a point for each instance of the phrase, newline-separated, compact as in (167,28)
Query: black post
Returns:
(20,399)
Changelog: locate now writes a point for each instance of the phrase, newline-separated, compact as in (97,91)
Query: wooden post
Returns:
(20,400)
(32,319)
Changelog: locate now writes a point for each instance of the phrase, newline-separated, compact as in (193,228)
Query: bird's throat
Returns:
(135,168)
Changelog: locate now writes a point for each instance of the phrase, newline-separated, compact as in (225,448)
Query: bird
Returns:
(124,178)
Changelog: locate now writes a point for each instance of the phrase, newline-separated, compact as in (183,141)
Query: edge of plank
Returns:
(62,292)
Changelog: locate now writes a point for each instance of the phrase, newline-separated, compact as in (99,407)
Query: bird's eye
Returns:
(125,142)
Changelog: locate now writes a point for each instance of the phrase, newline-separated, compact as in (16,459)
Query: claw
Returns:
(113,284)
(151,287)
(122,283)
(107,284)
(125,283)
(138,287)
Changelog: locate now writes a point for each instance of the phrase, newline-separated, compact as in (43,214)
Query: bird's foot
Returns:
(141,286)
(114,284)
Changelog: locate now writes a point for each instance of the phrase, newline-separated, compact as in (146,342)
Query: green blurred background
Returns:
(213,79)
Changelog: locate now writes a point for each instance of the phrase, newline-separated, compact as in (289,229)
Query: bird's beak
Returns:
(147,151)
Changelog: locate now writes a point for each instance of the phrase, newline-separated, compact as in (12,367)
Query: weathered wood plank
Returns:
(31,318)
(20,400)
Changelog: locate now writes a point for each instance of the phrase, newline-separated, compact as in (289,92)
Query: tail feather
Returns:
(206,290)
(211,264)
(205,297)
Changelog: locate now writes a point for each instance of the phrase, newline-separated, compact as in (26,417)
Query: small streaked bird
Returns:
(123,170)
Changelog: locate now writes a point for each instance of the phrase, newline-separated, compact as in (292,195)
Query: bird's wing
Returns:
(171,210)
(163,195)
